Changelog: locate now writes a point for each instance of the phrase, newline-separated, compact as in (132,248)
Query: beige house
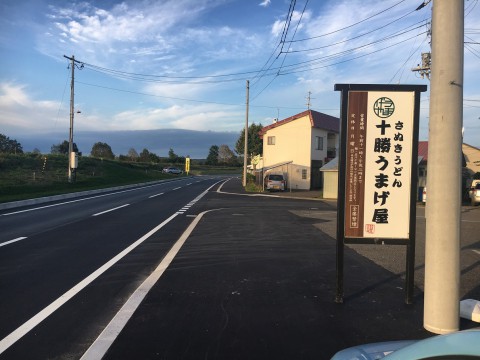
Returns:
(472,158)
(299,146)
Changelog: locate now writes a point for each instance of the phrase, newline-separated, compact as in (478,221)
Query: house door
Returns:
(316,175)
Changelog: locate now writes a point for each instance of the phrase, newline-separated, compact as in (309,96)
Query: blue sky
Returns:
(183,64)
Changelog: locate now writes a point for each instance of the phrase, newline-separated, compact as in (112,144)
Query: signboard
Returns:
(378,164)
(378,170)
(187,165)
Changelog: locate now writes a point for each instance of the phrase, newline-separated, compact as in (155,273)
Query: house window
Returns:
(304,174)
(318,143)
(271,140)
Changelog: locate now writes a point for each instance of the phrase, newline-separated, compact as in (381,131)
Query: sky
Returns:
(184,64)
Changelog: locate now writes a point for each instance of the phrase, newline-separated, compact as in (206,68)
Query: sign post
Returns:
(378,170)
(187,165)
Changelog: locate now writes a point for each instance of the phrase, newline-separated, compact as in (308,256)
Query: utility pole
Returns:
(245,151)
(424,69)
(308,100)
(71,164)
(443,208)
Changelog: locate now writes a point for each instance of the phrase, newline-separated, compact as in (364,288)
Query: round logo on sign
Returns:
(384,107)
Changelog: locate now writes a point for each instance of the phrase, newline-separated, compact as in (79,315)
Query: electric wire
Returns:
(181,99)
(352,25)
(415,51)
(284,58)
(257,78)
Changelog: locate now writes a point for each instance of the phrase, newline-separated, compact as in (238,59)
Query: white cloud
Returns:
(19,112)
(265,3)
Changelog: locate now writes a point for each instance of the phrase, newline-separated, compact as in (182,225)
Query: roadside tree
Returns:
(255,144)
(133,154)
(212,158)
(226,156)
(10,146)
(102,150)
(62,148)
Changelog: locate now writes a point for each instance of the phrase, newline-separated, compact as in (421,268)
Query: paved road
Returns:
(66,267)
(254,279)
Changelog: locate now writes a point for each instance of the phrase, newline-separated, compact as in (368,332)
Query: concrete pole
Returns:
(442,248)
(245,152)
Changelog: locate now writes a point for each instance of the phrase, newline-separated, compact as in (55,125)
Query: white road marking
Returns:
(107,211)
(177,188)
(155,195)
(77,200)
(12,241)
(26,327)
(101,345)
(476,251)
(23,329)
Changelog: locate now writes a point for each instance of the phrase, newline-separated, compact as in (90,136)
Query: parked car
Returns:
(457,345)
(474,193)
(172,170)
(275,182)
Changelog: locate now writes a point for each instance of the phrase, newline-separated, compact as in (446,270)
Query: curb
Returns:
(42,200)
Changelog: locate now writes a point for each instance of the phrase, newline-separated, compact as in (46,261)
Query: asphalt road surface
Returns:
(198,269)
(65,267)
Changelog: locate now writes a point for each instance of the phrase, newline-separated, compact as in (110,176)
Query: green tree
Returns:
(145,156)
(255,144)
(212,158)
(154,158)
(226,156)
(102,150)
(172,157)
(62,148)
(133,154)
(10,146)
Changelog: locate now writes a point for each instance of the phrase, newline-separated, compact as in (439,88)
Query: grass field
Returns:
(30,176)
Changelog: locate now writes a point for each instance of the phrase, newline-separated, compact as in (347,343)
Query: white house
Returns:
(299,146)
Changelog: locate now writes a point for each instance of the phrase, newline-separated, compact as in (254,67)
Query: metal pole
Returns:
(442,248)
(70,139)
(245,152)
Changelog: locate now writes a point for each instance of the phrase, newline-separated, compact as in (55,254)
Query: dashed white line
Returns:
(107,211)
(77,200)
(26,327)
(12,241)
(177,188)
(155,195)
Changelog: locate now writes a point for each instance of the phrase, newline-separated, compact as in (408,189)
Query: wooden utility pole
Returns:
(245,152)
(443,207)
(71,155)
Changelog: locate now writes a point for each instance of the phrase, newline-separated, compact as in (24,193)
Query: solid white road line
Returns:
(101,345)
(107,211)
(12,241)
(26,327)
(17,334)
(84,199)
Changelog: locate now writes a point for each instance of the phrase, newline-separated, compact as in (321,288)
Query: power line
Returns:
(182,99)
(352,25)
(399,33)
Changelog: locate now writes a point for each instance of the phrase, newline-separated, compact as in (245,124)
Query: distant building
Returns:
(472,158)
(299,146)
(470,164)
